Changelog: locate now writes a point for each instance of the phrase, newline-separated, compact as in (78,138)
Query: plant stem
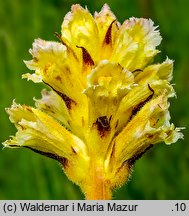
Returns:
(98,191)
(97,187)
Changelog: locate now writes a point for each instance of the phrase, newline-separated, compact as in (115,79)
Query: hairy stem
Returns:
(97,187)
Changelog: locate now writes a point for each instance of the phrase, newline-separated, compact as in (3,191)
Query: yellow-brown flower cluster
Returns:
(108,103)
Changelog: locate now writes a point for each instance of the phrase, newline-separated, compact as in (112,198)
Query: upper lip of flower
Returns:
(106,99)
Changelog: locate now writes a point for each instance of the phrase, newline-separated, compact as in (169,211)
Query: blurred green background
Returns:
(163,173)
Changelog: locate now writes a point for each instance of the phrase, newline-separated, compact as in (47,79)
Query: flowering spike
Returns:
(107,105)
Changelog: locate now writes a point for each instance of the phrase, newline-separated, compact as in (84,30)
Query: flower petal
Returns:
(138,97)
(42,133)
(53,105)
(108,83)
(79,29)
(112,77)
(75,119)
(61,72)
(52,64)
(103,20)
(136,43)
(107,28)
(161,71)
(143,130)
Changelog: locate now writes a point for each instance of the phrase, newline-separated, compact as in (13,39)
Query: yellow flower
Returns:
(108,103)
